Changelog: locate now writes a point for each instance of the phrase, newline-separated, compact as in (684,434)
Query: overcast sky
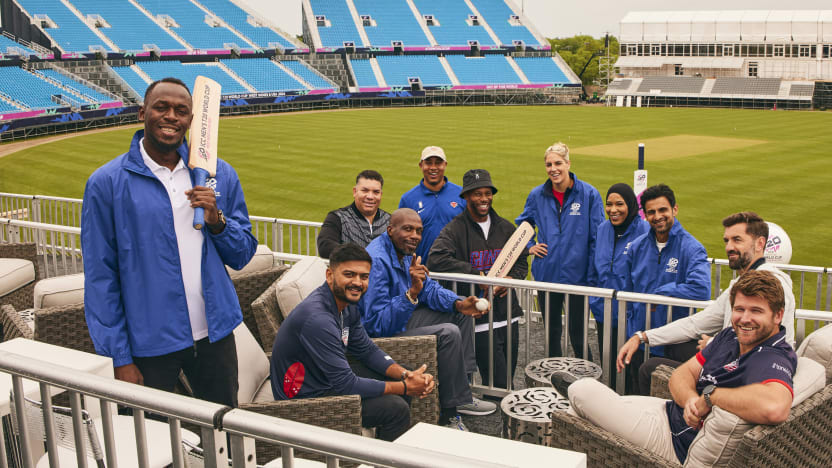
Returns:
(562,18)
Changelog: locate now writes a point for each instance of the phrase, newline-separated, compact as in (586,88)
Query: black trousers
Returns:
(389,414)
(609,354)
(211,369)
(675,356)
(554,302)
(500,353)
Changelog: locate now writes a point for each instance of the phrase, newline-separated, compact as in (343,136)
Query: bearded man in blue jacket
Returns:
(157,296)
(666,261)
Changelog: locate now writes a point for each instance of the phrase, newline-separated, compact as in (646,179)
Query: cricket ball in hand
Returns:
(482,304)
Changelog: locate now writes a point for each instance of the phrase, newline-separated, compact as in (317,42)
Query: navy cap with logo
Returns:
(474,179)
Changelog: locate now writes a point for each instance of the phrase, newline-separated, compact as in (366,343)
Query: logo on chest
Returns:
(672,265)
(454,204)
(731,366)
(211,183)
(575,209)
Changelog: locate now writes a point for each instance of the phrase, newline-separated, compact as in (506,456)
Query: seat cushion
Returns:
(59,291)
(252,363)
(264,393)
(263,259)
(818,346)
(14,274)
(809,378)
(304,277)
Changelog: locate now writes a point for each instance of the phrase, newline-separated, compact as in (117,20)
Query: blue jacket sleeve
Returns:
(323,344)
(596,217)
(235,244)
(436,297)
(363,348)
(384,310)
(528,215)
(697,283)
(103,306)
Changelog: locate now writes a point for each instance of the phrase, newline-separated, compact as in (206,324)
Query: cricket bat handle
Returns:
(200,176)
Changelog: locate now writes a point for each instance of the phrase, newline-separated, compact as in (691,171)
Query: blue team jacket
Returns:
(680,270)
(435,208)
(569,233)
(608,268)
(134,297)
(385,309)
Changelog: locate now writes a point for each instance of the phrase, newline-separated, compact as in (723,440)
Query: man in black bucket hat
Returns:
(470,243)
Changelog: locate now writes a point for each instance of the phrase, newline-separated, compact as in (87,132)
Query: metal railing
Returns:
(58,246)
(215,422)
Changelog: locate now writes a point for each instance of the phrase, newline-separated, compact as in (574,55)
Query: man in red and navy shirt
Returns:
(746,370)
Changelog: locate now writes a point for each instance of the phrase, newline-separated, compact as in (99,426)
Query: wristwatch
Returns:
(412,301)
(405,373)
(220,225)
(706,393)
(641,337)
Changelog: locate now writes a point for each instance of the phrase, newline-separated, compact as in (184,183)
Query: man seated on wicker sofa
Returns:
(309,354)
(746,369)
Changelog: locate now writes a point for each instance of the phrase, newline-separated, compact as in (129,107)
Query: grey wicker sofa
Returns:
(803,440)
(22,298)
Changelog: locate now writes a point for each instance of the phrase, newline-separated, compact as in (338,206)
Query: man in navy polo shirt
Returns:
(746,370)
(436,199)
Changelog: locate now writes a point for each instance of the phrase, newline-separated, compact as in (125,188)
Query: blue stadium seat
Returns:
(189,72)
(394,22)
(307,74)
(488,69)
(6,108)
(497,14)
(133,79)
(32,91)
(71,35)
(541,70)
(238,19)
(192,26)
(6,44)
(453,28)
(398,68)
(342,26)
(263,74)
(364,76)
(130,28)
(89,93)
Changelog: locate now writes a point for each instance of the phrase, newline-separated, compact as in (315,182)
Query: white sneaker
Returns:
(456,423)
(477,408)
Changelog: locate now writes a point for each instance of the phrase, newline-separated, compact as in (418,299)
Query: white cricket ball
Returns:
(482,304)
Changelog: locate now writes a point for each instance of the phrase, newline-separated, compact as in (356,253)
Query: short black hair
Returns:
(754,224)
(370,174)
(169,79)
(349,252)
(657,191)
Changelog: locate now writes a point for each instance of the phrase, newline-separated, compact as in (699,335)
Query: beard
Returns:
(340,292)
(742,261)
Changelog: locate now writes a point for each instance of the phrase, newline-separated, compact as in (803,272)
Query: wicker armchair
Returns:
(22,298)
(802,440)
(249,287)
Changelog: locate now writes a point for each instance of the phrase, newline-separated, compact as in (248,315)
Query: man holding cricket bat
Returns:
(470,243)
(157,296)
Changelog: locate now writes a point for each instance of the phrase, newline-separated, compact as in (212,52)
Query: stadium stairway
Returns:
(100,74)
(358,23)
(236,77)
(483,22)
(422,23)
(517,69)
(449,71)
(332,66)
(294,75)
(161,24)
(382,83)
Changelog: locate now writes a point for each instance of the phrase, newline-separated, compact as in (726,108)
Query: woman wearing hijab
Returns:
(608,266)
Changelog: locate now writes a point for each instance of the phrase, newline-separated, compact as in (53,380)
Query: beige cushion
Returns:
(14,274)
(722,432)
(818,346)
(304,277)
(262,260)
(60,290)
(253,365)
(264,393)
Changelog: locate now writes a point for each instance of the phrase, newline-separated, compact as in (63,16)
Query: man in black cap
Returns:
(470,243)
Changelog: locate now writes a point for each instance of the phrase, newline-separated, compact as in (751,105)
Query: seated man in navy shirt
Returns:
(309,353)
(746,370)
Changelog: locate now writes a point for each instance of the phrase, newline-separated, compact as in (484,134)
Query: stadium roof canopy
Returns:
(803,26)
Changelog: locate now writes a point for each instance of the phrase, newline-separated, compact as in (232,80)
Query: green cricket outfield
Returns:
(301,165)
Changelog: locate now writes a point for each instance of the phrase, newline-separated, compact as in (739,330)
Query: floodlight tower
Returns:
(605,65)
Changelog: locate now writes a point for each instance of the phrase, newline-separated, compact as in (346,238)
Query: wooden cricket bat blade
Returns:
(511,251)
(203,136)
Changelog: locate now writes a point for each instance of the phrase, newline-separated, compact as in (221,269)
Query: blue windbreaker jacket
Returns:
(681,270)
(134,297)
(608,268)
(385,309)
(436,210)
(568,233)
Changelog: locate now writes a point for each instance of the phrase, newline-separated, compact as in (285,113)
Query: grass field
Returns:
(302,165)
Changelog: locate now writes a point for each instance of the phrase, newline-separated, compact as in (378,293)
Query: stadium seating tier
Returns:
(453,29)
(488,69)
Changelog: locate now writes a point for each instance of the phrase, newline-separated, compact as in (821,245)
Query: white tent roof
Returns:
(806,26)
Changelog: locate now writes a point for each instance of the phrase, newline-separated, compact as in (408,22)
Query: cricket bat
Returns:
(202,157)
(511,251)
(640,177)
